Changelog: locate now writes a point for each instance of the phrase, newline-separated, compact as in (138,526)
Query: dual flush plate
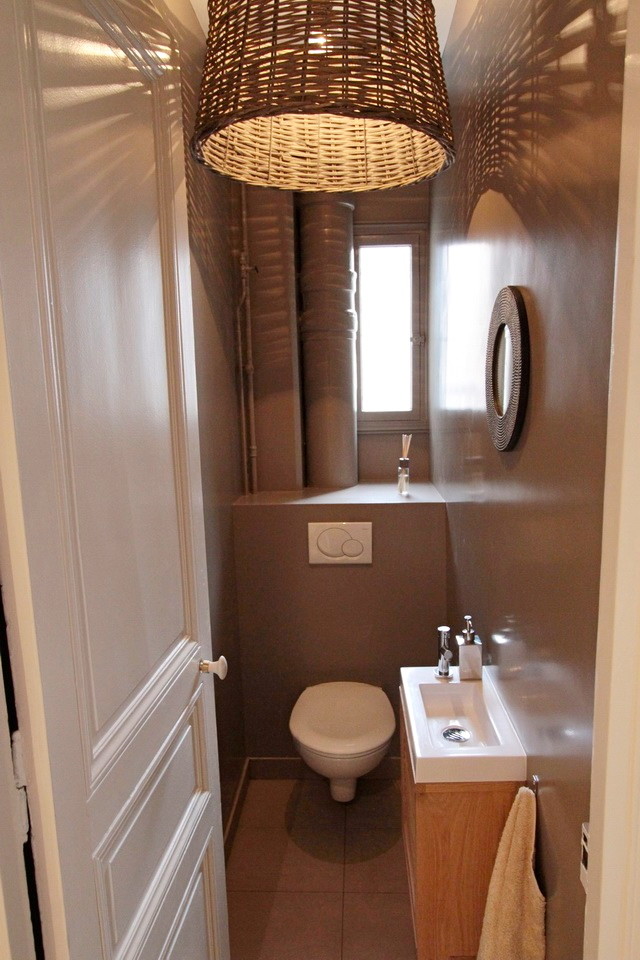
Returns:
(340,543)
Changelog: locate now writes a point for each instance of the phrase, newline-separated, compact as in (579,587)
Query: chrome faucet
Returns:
(445,656)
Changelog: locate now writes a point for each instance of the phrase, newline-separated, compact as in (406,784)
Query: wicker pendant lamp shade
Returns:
(327,95)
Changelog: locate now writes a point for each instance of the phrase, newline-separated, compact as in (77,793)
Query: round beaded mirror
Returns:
(507,368)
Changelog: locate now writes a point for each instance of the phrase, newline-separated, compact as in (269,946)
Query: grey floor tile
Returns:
(291,804)
(311,879)
(273,860)
(374,861)
(285,926)
(290,837)
(377,926)
(266,803)
(377,803)
(311,803)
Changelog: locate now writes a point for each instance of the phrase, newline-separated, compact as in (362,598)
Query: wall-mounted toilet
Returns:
(342,730)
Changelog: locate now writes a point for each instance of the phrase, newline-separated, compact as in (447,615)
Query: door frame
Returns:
(17,934)
(612,919)
(21,634)
(612,925)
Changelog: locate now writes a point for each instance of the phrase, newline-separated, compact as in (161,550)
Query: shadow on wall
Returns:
(214,213)
(536,90)
(554,69)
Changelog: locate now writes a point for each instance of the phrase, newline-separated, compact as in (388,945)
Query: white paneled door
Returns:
(94,281)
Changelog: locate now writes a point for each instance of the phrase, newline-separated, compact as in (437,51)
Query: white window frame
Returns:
(414,420)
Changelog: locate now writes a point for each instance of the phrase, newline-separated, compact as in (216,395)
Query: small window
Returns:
(391,341)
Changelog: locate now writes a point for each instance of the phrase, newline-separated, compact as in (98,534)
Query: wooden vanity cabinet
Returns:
(451,833)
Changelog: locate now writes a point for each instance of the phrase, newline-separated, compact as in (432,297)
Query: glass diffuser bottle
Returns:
(403,466)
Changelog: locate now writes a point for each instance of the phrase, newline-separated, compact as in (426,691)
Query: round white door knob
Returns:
(219,667)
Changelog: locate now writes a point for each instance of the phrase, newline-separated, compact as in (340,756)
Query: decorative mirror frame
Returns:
(509,310)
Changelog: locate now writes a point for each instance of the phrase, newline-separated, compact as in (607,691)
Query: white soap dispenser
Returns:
(470,652)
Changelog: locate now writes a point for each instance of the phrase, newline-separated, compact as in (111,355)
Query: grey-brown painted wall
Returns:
(213,220)
(531,201)
(304,624)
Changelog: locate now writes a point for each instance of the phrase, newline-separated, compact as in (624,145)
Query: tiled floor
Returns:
(312,879)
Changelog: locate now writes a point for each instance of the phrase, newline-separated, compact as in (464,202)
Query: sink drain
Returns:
(456,734)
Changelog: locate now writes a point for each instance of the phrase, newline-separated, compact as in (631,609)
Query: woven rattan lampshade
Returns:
(327,95)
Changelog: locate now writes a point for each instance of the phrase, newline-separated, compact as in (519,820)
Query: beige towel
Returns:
(513,926)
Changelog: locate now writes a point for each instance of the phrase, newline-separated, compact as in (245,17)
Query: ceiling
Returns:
(444,14)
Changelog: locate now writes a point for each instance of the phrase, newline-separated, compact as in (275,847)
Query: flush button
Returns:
(340,543)
(352,548)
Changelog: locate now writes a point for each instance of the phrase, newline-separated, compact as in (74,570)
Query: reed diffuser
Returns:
(403,466)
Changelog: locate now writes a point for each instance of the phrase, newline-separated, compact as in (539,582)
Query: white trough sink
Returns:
(458,731)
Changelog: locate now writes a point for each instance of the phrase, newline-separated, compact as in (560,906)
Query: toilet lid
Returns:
(342,719)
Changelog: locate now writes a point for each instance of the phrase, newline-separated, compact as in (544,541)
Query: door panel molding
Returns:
(162,935)
(189,844)
(195,892)
(103,745)
(114,798)
(49,310)
(183,749)
(174,671)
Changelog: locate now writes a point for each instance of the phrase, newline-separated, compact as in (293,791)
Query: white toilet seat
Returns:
(321,755)
(342,719)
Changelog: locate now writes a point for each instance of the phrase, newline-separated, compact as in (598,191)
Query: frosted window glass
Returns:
(385,328)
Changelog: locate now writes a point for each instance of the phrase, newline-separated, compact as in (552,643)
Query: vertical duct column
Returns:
(274,334)
(328,330)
